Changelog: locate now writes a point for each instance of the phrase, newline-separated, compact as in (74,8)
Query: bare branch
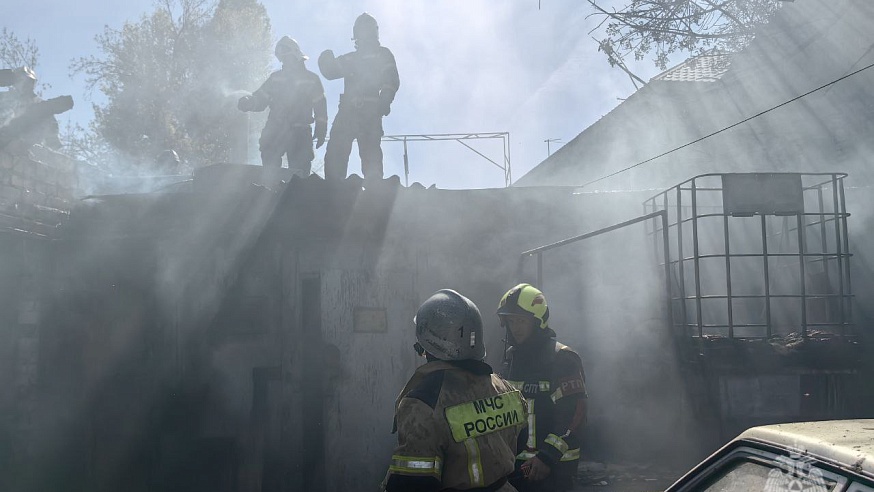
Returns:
(669,26)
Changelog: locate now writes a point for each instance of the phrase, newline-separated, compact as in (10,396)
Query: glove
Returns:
(320,132)
(329,66)
(535,470)
(245,103)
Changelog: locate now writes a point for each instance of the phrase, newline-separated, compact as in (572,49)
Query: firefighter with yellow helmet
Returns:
(457,422)
(551,378)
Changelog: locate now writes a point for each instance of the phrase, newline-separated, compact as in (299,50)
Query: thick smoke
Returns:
(178,319)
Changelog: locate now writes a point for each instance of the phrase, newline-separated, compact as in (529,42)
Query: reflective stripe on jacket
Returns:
(551,377)
(456,423)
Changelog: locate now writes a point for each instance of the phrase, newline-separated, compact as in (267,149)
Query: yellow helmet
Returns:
(525,300)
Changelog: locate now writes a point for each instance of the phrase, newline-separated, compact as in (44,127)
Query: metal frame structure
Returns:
(460,138)
(784,247)
(659,214)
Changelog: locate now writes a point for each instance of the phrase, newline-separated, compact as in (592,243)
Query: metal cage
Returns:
(756,255)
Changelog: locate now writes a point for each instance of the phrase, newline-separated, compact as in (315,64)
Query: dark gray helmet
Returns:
(449,327)
(365,27)
(289,47)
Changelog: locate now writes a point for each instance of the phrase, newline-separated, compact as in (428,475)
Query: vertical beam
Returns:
(822,227)
(838,251)
(728,299)
(802,273)
(845,250)
(767,268)
(681,271)
(406,164)
(696,260)
(666,244)
(508,174)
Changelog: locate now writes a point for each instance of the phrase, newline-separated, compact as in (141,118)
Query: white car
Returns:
(833,456)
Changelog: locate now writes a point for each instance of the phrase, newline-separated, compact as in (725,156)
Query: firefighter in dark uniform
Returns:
(550,376)
(296,98)
(24,116)
(370,82)
(457,422)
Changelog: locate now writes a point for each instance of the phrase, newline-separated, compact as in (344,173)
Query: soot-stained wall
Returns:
(232,337)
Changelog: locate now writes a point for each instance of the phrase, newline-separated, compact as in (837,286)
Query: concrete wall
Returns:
(233,338)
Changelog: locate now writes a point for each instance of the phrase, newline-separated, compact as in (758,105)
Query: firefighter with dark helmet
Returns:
(370,82)
(296,99)
(457,422)
(551,378)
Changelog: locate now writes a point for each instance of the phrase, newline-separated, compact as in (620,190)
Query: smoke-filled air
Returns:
(541,245)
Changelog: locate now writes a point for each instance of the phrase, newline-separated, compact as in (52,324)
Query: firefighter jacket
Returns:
(551,378)
(295,97)
(457,426)
(370,78)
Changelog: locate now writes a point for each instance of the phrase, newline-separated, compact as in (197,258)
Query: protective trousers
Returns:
(355,122)
(294,140)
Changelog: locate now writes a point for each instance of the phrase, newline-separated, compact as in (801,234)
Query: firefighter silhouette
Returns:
(296,98)
(370,82)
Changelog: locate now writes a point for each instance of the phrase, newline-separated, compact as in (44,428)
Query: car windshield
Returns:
(752,475)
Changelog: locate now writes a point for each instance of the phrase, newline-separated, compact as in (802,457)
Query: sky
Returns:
(530,68)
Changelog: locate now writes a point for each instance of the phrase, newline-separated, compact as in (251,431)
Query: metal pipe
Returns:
(681,269)
(765,264)
(696,261)
(845,252)
(593,233)
(822,228)
(508,173)
(667,259)
(802,275)
(838,250)
(728,276)
(406,164)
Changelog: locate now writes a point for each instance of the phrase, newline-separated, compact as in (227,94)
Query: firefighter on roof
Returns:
(296,98)
(24,116)
(457,423)
(550,376)
(371,80)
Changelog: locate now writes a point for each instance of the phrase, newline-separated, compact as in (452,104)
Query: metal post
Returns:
(681,271)
(802,274)
(822,229)
(508,175)
(696,261)
(839,249)
(766,266)
(406,164)
(845,249)
(728,275)
(667,259)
